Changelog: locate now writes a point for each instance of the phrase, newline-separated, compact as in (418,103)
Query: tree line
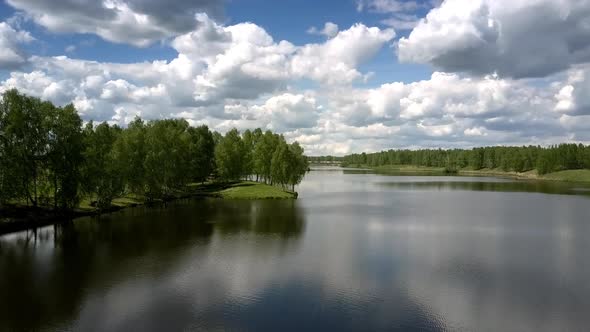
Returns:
(518,159)
(323,159)
(49,157)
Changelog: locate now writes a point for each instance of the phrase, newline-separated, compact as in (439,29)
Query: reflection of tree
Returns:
(46,277)
(282,218)
(499,186)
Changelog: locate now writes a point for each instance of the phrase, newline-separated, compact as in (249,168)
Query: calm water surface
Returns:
(357,251)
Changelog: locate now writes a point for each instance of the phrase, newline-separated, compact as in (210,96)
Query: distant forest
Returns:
(517,159)
(48,157)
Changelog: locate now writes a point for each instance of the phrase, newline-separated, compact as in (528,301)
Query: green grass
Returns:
(402,168)
(574,175)
(254,190)
(127,201)
(499,172)
(577,175)
(119,202)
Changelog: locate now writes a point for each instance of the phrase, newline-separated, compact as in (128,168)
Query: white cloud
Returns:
(11,53)
(240,61)
(289,111)
(239,76)
(475,131)
(336,60)
(388,6)
(37,83)
(243,61)
(447,110)
(137,22)
(513,38)
(402,14)
(573,97)
(402,21)
(330,30)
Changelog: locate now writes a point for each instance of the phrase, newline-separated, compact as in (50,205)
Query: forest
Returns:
(516,159)
(50,158)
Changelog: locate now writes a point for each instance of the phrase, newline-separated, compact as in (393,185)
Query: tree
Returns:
(298,165)
(101,172)
(545,163)
(263,153)
(167,165)
(280,163)
(48,158)
(248,157)
(24,144)
(129,152)
(65,156)
(229,156)
(202,153)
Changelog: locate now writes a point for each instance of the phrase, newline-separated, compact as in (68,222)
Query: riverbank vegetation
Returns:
(565,162)
(49,158)
(255,190)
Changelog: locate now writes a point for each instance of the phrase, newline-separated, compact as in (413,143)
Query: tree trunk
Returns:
(35,188)
(55,192)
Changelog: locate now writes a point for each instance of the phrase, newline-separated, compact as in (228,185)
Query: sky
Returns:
(338,76)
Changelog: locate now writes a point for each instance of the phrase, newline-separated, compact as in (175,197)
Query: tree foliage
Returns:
(517,159)
(101,175)
(40,146)
(49,157)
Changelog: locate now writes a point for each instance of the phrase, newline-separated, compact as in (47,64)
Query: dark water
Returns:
(357,251)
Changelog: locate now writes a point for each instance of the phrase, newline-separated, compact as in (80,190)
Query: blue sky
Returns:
(267,14)
(338,76)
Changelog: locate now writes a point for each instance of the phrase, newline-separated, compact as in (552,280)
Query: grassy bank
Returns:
(578,175)
(16,217)
(255,190)
(402,169)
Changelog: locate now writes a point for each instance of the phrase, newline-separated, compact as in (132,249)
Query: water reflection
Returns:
(48,277)
(355,252)
(486,184)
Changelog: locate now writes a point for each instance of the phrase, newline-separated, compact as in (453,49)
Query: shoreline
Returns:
(14,218)
(581,176)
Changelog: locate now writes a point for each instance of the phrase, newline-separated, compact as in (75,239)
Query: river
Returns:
(356,251)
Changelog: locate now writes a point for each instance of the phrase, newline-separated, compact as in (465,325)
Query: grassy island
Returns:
(255,190)
(240,190)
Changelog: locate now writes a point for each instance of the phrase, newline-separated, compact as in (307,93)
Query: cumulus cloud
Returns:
(329,30)
(447,110)
(401,13)
(11,53)
(388,6)
(573,97)
(240,61)
(442,94)
(282,113)
(239,76)
(336,60)
(137,22)
(243,61)
(224,75)
(288,112)
(512,38)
